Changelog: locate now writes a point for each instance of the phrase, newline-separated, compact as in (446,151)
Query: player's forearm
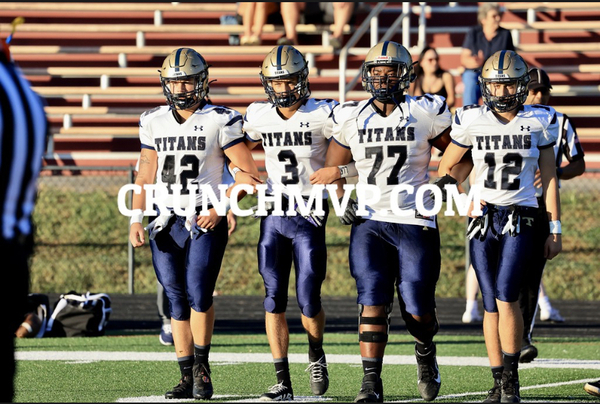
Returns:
(571,170)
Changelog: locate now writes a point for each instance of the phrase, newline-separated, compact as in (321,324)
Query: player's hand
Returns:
(210,221)
(553,246)
(349,215)
(537,181)
(243,177)
(441,181)
(137,235)
(325,175)
(231,222)
(312,217)
(482,207)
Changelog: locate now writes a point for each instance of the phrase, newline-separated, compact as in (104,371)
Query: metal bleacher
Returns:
(97,64)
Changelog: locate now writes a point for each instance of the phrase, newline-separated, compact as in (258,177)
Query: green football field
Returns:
(137,368)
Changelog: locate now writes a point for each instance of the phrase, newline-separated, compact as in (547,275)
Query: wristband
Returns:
(137,217)
(235,171)
(348,170)
(555,227)
(227,203)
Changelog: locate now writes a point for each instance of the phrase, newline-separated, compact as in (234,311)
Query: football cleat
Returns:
(278,392)
(319,377)
(429,380)
(593,388)
(371,390)
(552,315)
(494,394)
(166,335)
(528,353)
(203,388)
(183,389)
(509,389)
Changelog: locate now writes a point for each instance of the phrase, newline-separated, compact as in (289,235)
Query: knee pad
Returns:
(374,336)
(275,304)
(311,310)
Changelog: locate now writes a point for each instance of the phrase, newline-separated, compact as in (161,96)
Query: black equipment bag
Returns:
(79,315)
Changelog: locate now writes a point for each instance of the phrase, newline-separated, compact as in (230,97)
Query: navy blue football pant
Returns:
(284,239)
(501,260)
(188,268)
(386,255)
(15,254)
(532,278)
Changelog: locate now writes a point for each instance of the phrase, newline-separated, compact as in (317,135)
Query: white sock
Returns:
(544,304)
(471,306)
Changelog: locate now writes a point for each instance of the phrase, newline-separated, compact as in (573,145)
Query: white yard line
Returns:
(217,357)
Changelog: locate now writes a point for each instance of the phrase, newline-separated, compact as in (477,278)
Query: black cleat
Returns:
(509,389)
(371,390)
(528,353)
(428,373)
(593,388)
(278,392)
(319,377)
(494,394)
(203,388)
(183,389)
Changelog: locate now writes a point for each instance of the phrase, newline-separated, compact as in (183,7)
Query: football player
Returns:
(185,144)
(294,130)
(567,146)
(390,138)
(508,141)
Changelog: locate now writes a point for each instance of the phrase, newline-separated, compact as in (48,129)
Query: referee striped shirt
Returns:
(23,131)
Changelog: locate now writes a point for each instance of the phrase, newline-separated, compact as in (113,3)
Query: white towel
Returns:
(155,226)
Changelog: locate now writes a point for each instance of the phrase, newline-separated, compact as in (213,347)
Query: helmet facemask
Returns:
(283,63)
(386,87)
(504,67)
(184,64)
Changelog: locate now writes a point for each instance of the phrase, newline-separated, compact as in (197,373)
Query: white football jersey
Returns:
(193,150)
(295,147)
(505,156)
(567,145)
(393,150)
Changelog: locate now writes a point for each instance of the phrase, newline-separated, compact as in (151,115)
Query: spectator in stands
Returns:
(23,130)
(431,78)
(254,16)
(337,13)
(481,42)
